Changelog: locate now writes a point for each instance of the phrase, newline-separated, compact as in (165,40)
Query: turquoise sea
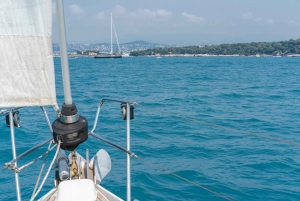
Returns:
(229,125)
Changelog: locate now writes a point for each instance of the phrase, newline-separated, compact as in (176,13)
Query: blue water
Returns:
(187,106)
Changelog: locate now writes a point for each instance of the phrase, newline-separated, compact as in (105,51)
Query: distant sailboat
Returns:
(111,54)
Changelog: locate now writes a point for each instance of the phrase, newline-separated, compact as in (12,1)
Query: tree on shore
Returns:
(262,48)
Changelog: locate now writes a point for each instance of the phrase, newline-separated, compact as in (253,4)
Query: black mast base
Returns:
(71,134)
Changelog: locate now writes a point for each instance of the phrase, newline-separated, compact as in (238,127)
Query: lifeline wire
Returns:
(36,159)
(33,161)
(224,127)
(46,176)
(156,166)
(41,171)
(184,179)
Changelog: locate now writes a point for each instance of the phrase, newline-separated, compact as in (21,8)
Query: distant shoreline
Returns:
(290,48)
(211,55)
(188,55)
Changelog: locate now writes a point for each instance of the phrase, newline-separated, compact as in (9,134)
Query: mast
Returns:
(69,128)
(116,37)
(111,46)
(63,52)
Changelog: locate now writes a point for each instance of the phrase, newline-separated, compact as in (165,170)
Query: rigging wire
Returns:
(31,162)
(223,127)
(182,178)
(47,174)
(156,166)
(41,171)
(36,159)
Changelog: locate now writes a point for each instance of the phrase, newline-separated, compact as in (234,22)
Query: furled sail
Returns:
(26,56)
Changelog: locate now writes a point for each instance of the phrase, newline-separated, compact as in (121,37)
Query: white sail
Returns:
(26,57)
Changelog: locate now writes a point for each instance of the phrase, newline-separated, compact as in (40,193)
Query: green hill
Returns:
(281,48)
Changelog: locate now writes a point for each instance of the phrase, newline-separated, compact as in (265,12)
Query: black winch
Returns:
(70,128)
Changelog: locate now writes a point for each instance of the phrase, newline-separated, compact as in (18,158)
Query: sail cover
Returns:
(26,57)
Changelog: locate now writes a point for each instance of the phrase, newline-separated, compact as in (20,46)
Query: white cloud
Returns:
(192,18)
(77,10)
(163,13)
(149,13)
(140,13)
(293,23)
(145,12)
(119,10)
(247,16)
(100,16)
(270,21)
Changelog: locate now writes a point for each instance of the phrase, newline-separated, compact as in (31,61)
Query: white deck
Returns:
(79,190)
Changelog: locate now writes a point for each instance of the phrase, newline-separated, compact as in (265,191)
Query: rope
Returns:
(184,179)
(225,127)
(47,174)
(41,171)
(36,159)
(31,162)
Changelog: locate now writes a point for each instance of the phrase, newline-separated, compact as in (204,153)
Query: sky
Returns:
(186,22)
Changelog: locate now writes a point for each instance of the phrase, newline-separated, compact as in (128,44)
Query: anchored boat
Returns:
(111,54)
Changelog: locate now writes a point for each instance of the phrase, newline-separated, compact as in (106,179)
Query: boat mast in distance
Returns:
(111,45)
(113,25)
(111,54)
